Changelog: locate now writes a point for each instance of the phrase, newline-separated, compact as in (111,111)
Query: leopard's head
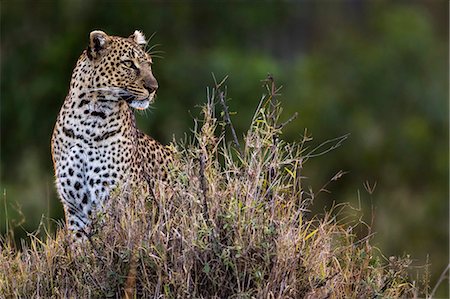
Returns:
(121,69)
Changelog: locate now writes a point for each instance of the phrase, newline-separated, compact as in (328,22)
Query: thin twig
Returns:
(273,113)
(203,186)
(282,125)
(228,119)
(339,140)
(440,280)
(337,176)
(219,85)
(273,102)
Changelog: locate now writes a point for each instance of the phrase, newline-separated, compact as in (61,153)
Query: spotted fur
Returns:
(96,145)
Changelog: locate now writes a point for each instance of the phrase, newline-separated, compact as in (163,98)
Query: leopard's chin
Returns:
(139,104)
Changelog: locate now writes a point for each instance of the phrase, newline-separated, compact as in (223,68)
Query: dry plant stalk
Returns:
(235,226)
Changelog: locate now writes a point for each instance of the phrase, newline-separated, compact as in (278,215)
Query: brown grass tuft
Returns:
(236,225)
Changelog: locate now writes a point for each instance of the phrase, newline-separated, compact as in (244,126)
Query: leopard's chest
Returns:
(104,147)
(92,155)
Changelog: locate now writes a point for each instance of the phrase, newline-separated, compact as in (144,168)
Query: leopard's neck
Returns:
(93,120)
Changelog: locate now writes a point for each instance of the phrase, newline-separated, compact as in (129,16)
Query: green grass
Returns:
(235,224)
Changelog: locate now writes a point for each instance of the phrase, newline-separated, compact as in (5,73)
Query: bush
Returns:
(235,224)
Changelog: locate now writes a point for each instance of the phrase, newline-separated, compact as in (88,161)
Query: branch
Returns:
(282,125)
(203,186)
(440,280)
(227,118)
(337,143)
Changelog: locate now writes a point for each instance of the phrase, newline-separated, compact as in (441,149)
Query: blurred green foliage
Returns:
(373,69)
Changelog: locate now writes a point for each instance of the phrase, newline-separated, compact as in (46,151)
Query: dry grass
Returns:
(236,225)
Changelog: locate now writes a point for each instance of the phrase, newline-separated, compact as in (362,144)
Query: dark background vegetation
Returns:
(376,70)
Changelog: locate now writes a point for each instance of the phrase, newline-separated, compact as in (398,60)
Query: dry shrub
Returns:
(234,224)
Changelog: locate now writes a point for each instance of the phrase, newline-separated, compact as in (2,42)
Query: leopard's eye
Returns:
(129,63)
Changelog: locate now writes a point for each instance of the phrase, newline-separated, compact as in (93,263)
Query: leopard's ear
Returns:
(98,42)
(138,37)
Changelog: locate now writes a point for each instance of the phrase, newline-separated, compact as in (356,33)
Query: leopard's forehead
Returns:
(127,48)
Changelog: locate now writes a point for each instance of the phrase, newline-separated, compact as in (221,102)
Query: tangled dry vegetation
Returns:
(236,225)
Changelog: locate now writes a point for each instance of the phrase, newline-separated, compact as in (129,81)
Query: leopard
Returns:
(96,146)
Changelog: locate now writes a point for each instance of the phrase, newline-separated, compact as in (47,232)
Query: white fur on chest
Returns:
(90,160)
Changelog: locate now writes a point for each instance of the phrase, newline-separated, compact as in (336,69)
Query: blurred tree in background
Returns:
(376,70)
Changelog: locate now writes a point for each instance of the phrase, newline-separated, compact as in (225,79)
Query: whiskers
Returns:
(145,112)
(154,53)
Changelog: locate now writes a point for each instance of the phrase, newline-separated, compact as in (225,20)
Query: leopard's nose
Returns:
(151,87)
(150,83)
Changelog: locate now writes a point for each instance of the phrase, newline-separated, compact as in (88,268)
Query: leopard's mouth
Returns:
(140,104)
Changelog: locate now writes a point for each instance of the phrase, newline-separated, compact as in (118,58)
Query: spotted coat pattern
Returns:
(96,145)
